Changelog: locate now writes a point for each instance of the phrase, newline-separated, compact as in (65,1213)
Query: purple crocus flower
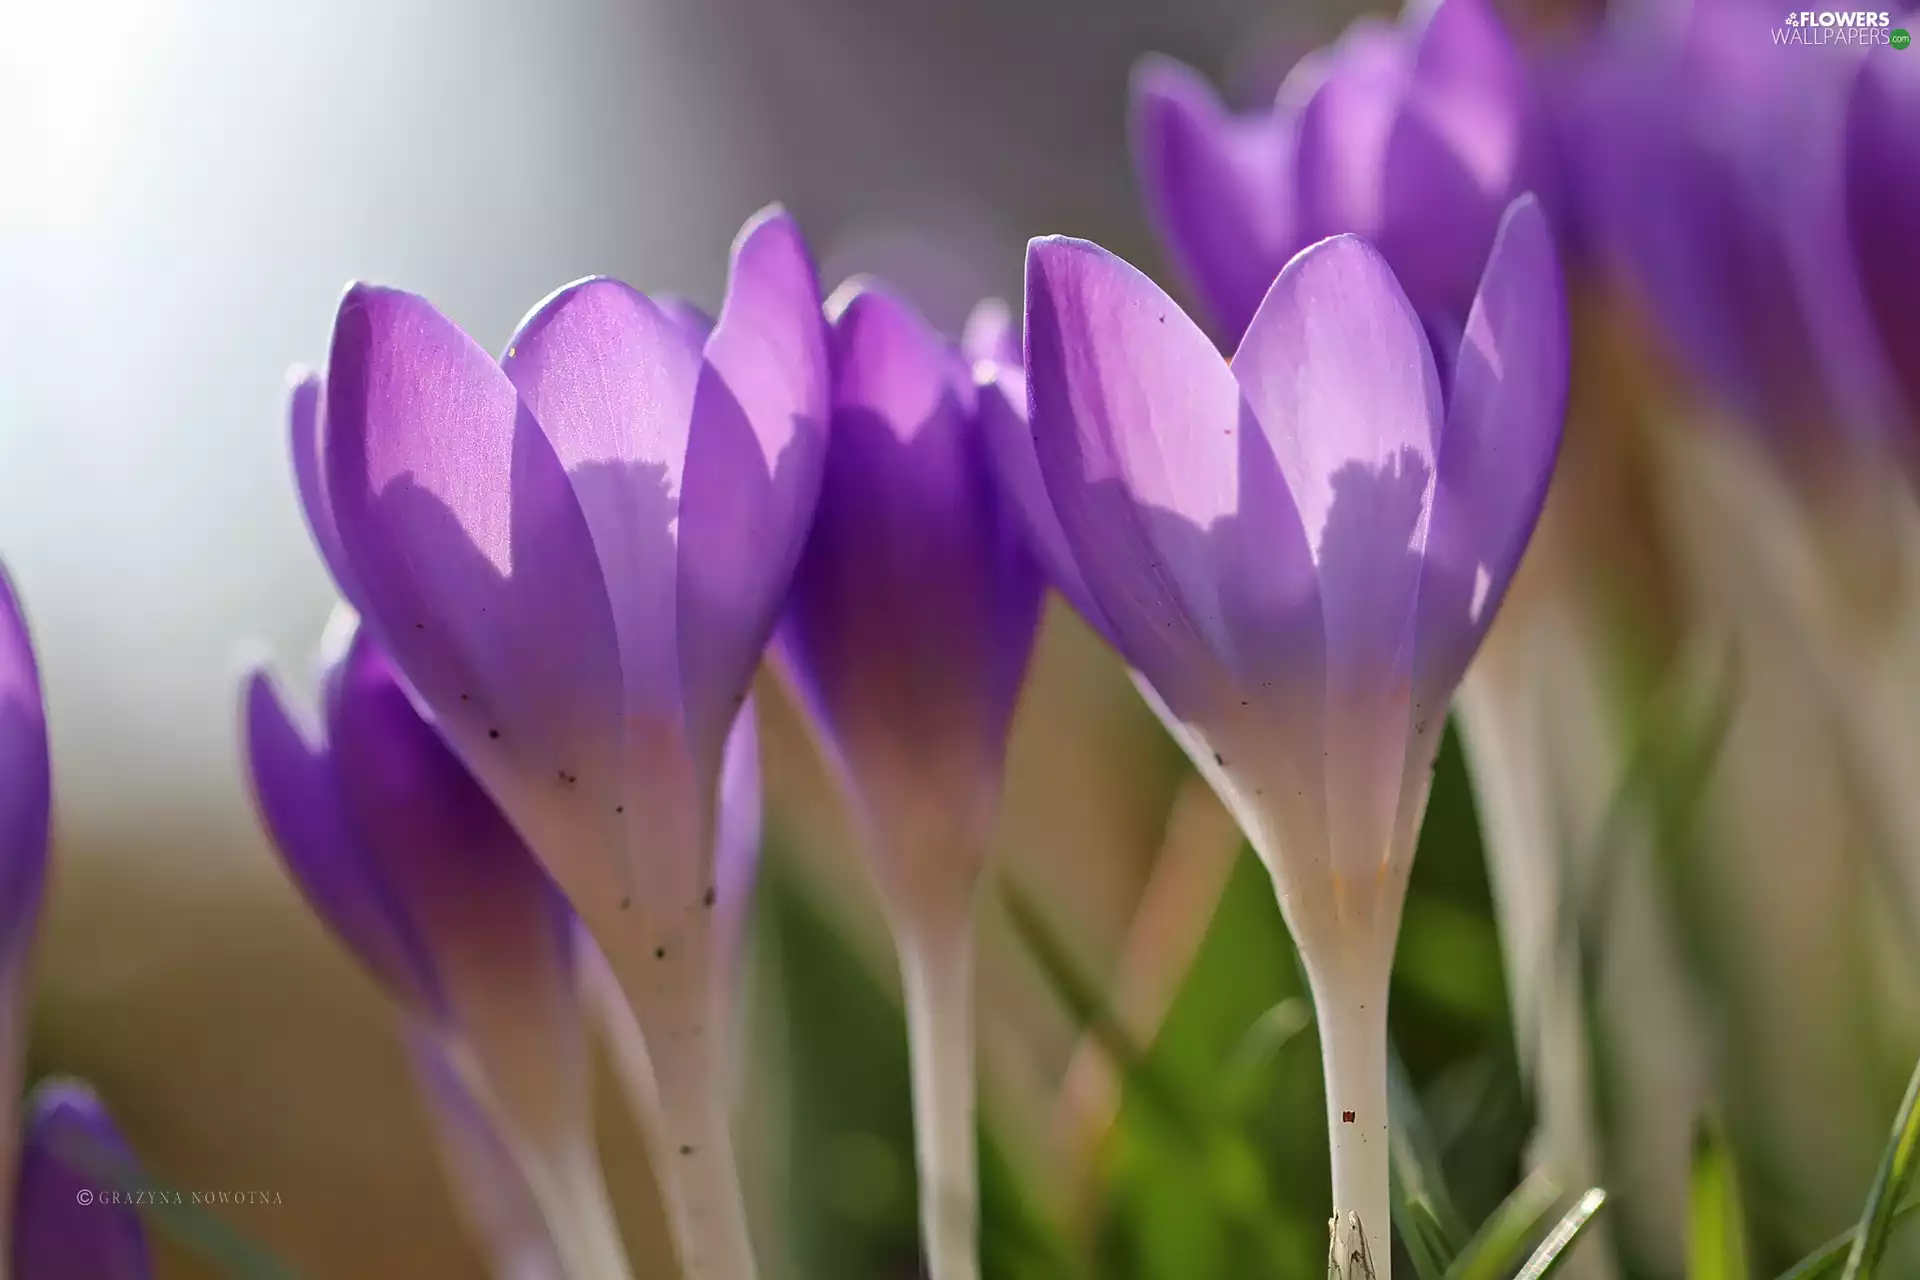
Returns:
(1298,554)
(576,556)
(1414,137)
(911,621)
(412,865)
(74,1215)
(26,810)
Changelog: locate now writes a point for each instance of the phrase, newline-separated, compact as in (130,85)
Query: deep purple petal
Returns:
(1137,426)
(1217,187)
(1340,379)
(74,1214)
(611,379)
(475,566)
(298,796)
(26,780)
(1883,211)
(753,469)
(914,605)
(991,335)
(1502,435)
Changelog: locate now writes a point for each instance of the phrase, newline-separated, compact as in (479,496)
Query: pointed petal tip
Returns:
(1159,80)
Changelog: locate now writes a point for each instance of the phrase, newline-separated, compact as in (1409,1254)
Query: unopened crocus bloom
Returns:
(411,864)
(26,807)
(912,618)
(1414,137)
(74,1214)
(1298,553)
(576,556)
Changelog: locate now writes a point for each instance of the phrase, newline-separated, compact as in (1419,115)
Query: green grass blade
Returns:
(1889,1187)
(1716,1227)
(1559,1242)
(1497,1248)
(1826,1260)
(1415,1162)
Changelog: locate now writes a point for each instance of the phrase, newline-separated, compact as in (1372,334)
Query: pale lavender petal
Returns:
(754,459)
(306,409)
(1137,427)
(992,334)
(471,555)
(736,861)
(693,319)
(298,797)
(1502,434)
(1340,379)
(611,379)
(74,1216)
(488,1185)
(1218,188)
(1010,448)
(914,604)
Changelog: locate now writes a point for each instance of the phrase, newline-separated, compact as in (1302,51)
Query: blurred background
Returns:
(188,186)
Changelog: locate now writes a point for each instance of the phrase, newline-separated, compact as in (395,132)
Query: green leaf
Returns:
(1428,1224)
(1826,1260)
(1889,1186)
(1559,1242)
(1497,1248)
(1716,1228)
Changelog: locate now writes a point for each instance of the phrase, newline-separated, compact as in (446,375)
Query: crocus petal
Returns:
(754,460)
(1883,207)
(1342,383)
(611,379)
(1217,188)
(1503,432)
(991,335)
(1009,442)
(298,796)
(488,1185)
(914,604)
(471,553)
(73,1214)
(1136,424)
(691,318)
(306,409)
(26,778)
(736,862)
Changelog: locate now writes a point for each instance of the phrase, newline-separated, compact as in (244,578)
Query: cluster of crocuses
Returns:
(68,1185)
(563,566)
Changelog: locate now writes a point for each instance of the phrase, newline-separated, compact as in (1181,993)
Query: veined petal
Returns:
(914,604)
(73,1214)
(1340,379)
(1135,423)
(754,460)
(300,803)
(611,379)
(1503,432)
(1217,186)
(478,574)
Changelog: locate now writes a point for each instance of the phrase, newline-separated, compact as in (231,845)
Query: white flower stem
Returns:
(674,1003)
(936,964)
(1352,1011)
(573,1199)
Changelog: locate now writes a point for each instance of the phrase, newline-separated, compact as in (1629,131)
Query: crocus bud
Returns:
(908,632)
(413,866)
(74,1211)
(1298,552)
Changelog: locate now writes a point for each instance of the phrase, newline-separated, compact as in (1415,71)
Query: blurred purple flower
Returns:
(1414,137)
(1704,163)
(410,863)
(576,556)
(915,604)
(26,814)
(1882,158)
(1298,553)
(73,1214)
